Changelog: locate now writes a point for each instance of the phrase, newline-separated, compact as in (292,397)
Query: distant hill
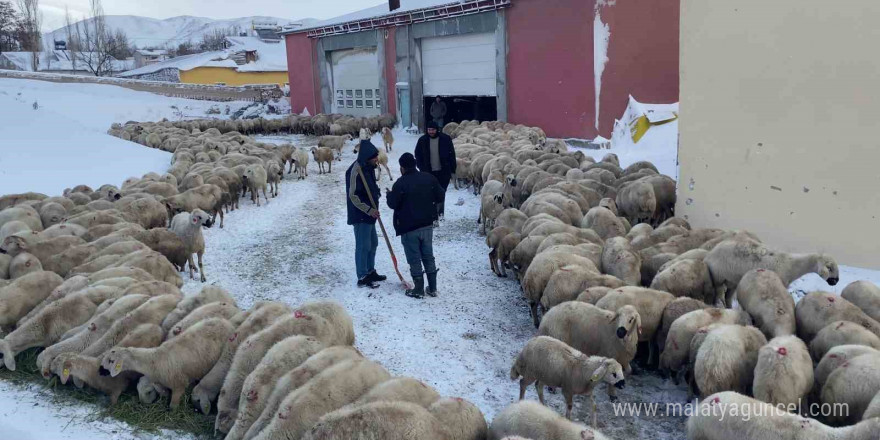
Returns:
(152,32)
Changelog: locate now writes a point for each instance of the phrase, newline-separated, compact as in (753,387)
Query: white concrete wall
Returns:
(779,123)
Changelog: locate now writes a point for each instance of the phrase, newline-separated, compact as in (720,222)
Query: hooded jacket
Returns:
(359,207)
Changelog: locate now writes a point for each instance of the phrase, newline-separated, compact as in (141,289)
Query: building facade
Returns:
(567,66)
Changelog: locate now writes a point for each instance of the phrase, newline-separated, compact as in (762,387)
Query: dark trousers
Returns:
(418,246)
(443,177)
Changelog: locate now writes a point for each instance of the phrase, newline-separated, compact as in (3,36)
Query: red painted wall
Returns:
(390,70)
(302,73)
(550,66)
(642,56)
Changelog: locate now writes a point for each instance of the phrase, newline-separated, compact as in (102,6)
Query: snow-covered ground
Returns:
(54,136)
(298,248)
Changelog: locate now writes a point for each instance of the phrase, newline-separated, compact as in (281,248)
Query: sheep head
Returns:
(7,355)
(827,268)
(114,361)
(200,218)
(628,321)
(14,245)
(609,372)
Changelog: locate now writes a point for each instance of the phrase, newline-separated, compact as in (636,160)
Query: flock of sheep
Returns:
(93,278)
(598,250)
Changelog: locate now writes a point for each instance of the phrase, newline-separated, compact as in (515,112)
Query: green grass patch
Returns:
(148,418)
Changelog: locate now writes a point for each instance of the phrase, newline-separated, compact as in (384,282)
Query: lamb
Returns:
(568,282)
(263,314)
(540,271)
(383,163)
(819,309)
(462,419)
(298,377)
(328,322)
(213,310)
(47,327)
(24,294)
(551,362)
(729,415)
(384,420)
(387,139)
(730,260)
(604,222)
(257,180)
(207,295)
(334,143)
(177,362)
(841,333)
(760,293)
(726,359)
(834,358)
(688,278)
(649,304)
(866,296)
(530,419)
(188,227)
(493,240)
(323,155)
(301,159)
(282,357)
(400,389)
(622,261)
(335,387)
(595,331)
(854,384)
(784,372)
(274,174)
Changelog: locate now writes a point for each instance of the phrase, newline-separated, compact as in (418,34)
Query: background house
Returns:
(145,57)
(56,61)
(568,66)
(247,60)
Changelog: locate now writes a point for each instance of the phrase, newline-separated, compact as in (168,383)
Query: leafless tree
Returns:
(31,20)
(95,42)
(72,46)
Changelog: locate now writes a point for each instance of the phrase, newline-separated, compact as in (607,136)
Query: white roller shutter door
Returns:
(355,74)
(459,65)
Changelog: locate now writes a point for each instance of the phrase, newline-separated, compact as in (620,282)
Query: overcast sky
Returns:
(53,10)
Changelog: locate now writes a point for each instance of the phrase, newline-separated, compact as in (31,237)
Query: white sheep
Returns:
(262,315)
(648,303)
(177,362)
(729,415)
(818,309)
(301,159)
(150,312)
(726,359)
(873,410)
(674,310)
(542,268)
(784,372)
(730,260)
(462,419)
(595,331)
(282,357)
(257,179)
(551,362)
(568,282)
(400,389)
(686,277)
(622,261)
(207,295)
(70,285)
(188,227)
(637,201)
(834,358)
(604,222)
(213,310)
(335,387)
(335,143)
(854,384)
(761,293)
(323,155)
(274,174)
(24,294)
(841,333)
(530,419)
(865,295)
(386,420)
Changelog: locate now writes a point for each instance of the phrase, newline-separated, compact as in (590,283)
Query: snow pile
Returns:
(64,141)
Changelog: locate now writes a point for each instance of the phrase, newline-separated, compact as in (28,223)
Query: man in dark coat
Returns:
(414,199)
(362,213)
(435,154)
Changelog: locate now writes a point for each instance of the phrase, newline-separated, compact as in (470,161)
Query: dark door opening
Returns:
(464,108)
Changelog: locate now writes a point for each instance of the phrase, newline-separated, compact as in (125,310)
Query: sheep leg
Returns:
(191,266)
(176,395)
(264,196)
(592,410)
(390,177)
(652,353)
(523,384)
(492,262)
(539,388)
(501,268)
(201,269)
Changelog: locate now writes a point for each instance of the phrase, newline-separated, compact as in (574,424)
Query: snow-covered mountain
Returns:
(152,32)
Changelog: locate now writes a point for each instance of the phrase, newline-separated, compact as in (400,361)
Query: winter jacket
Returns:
(359,207)
(438,109)
(414,198)
(447,155)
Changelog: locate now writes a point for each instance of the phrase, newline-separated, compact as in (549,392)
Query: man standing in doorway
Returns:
(438,111)
(363,212)
(435,155)
(414,199)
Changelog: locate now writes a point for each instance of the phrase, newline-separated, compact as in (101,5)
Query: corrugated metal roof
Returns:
(377,11)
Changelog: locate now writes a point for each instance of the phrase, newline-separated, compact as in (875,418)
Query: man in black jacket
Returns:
(362,213)
(435,154)
(414,199)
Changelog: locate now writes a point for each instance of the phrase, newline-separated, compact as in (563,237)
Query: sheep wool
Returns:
(784,372)
(530,419)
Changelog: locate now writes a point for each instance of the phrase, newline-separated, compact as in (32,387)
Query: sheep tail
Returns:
(514,372)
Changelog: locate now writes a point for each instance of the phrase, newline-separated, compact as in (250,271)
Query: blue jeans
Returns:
(365,243)
(419,249)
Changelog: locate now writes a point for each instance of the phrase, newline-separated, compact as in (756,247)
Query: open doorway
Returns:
(461,108)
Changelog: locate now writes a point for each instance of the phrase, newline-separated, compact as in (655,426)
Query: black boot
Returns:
(374,276)
(417,292)
(432,285)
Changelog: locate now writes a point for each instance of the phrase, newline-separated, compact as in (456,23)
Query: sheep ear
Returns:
(613,317)
(117,368)
(599,372)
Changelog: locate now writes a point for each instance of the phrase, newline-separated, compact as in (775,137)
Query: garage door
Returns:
(355,74)
(460,65)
